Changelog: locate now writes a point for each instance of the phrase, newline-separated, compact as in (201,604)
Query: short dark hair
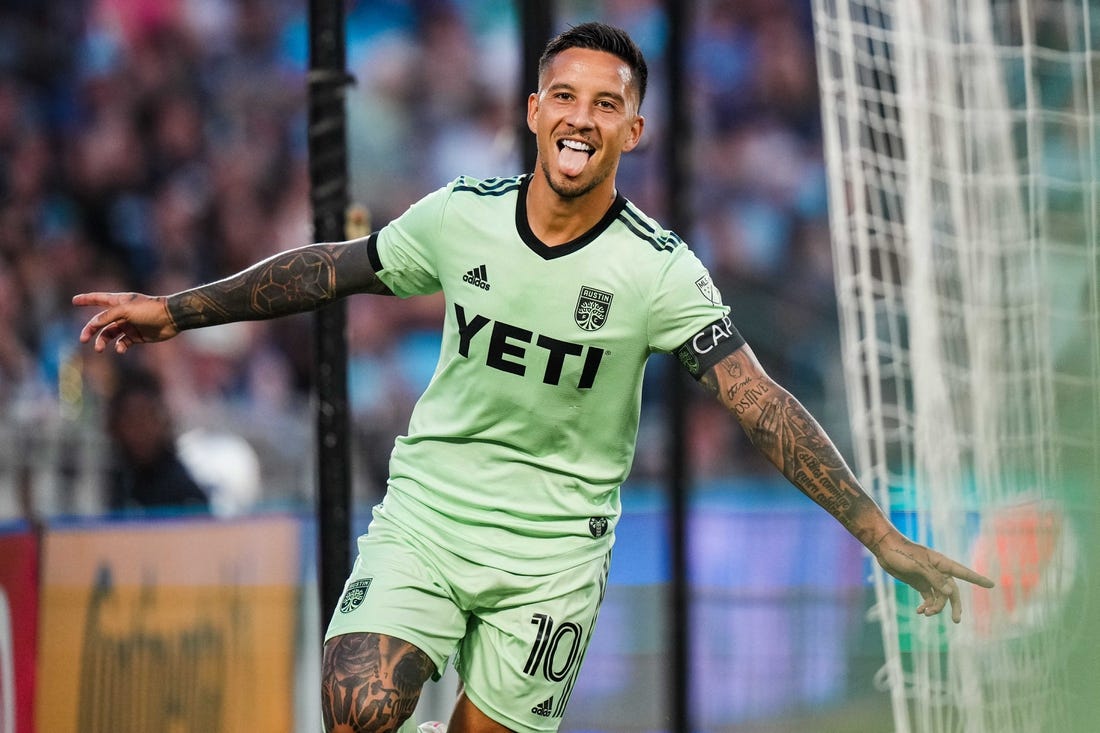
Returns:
(600,37)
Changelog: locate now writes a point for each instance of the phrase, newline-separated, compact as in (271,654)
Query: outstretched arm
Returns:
(294,281)
(783,430)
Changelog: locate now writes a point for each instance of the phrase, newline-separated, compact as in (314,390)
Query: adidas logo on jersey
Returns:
(477,276)
(544,708)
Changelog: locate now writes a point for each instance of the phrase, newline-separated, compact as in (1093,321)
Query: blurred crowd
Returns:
(152,145)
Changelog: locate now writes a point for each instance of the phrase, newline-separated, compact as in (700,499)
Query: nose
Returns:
(580,116)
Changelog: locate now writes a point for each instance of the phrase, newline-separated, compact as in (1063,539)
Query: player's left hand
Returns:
(931,573)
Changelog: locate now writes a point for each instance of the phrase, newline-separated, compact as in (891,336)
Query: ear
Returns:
(635,135)
(532,111)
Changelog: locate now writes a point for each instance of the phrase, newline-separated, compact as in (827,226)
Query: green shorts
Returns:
(517,640)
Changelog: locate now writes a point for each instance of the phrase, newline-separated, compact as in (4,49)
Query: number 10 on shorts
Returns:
(556,648)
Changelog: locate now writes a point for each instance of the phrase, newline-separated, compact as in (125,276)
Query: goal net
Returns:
(963,148)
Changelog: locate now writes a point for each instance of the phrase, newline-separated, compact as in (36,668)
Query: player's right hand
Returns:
(126,319)
(930,572)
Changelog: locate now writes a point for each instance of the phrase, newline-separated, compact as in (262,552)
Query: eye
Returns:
(610,103)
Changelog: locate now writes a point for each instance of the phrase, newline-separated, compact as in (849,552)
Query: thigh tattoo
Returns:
(371,682)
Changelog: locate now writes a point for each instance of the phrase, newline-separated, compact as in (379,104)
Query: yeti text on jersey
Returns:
(519,444)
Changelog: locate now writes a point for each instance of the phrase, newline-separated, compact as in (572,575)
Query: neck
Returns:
(557,219)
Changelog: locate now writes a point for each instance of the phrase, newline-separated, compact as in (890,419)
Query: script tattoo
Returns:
(294,281)
(371,682)
(785,432)
(741,399)
(790,436)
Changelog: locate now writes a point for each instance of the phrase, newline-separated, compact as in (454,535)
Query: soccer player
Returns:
(491,545)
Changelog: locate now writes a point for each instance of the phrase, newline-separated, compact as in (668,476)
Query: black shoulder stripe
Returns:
(490,187)
(644,230)
(641,221)
(634,228)
(669,239)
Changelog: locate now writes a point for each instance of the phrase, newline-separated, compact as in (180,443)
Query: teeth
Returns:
(575,145)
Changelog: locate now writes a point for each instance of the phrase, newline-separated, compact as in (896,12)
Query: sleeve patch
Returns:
(709,346)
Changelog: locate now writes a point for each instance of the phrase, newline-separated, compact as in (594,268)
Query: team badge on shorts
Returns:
(592,308)
(597,526)
(354,595)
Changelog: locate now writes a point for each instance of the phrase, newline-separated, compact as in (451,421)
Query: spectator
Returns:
(130,130)
(148,473)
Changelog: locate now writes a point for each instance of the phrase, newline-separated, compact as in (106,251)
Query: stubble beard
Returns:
(575,191)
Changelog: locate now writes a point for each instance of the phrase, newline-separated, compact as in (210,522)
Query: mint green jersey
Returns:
(516,450)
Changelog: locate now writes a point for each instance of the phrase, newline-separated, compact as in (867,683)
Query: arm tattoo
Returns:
(784,431)
(731,367)
(294,281)
(787,433)
(371,682)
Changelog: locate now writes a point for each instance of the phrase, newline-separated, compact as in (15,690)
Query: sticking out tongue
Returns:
(571,162)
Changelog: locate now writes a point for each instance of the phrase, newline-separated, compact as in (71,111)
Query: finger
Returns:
(938,595)
(937,604)
(928,602)
(962,572)
(108,318)
(91,327)
(100,299)
(110,332)
(950,591)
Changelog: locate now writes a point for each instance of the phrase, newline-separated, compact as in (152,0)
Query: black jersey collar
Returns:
(547,252)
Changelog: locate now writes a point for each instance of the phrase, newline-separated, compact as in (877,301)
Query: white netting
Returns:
(963,151)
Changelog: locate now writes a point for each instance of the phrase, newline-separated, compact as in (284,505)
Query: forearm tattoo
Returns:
(785,432)
(294,281)
(371,682)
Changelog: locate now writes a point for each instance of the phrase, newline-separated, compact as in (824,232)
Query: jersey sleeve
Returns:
(688,317)
(403,251)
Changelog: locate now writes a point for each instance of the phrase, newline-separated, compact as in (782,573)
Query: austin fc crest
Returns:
(354,595)
(592,307)
(597,526)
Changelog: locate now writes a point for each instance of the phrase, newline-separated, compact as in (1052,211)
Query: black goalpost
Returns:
(328,183)
(536,26)
(677,190)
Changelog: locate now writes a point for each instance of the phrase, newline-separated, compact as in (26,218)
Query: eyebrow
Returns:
(561,85)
